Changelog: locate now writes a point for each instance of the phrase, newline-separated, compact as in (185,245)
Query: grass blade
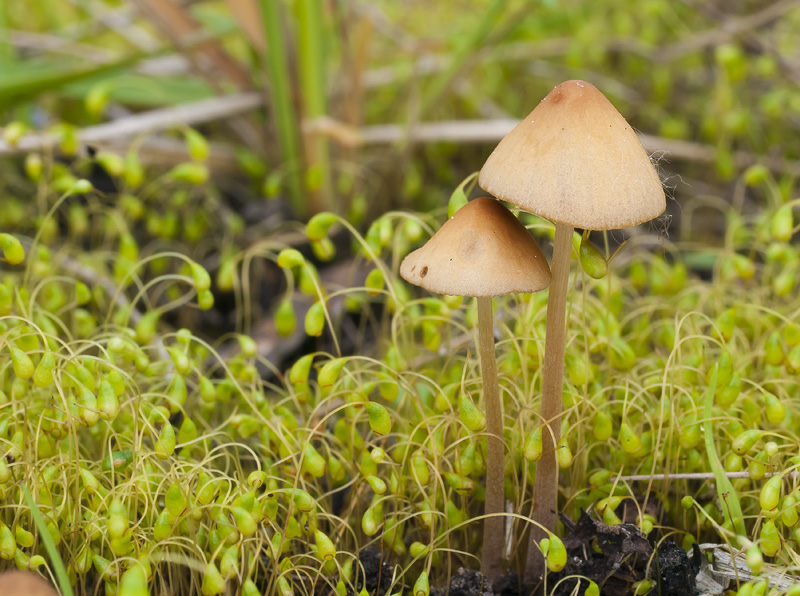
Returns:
(49,545)
(277,70)
(725,491)
(6,49)
(312,82)
(28,80)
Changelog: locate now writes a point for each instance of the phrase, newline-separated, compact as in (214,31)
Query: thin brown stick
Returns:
(248,15)
(488,131)
(44,42)
(545,486)
(493,527)
(461,131)
(697,476)
(178,25)
(207,59)
(155,120)
(726,31)
(167,152)
(120,20)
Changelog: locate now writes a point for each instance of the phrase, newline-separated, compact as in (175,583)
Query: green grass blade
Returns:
(22,81)
(145,91)
(29,80)
(6,49)
(277,69)
(49,544)
(312,81)
(731,507)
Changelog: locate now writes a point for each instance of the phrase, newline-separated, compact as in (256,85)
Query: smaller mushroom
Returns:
(483,251)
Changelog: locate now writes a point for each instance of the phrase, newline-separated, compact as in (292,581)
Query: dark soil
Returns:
(615,557)
(377,573)
(621,562)
(469,582)
(508,585)
(676,573)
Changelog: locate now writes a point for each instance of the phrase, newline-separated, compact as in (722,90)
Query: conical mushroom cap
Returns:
(575,160)
(483,250)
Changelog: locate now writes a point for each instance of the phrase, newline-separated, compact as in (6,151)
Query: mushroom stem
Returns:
(545,485)
(493,527)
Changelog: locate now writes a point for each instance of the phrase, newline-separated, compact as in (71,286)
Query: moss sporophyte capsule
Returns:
(22,364)
(315,319)
(421,586)
(213,583)
(770,495)
(533,445)
(745,441)
(313,463)
(12,249)
(555,553)
(329,372)
(472,417)
(244,521)
(379,420)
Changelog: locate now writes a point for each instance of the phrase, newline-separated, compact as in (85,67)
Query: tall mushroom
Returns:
(576,161)
(483,251)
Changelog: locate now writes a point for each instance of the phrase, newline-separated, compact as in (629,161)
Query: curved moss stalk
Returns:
(545,486)
(494,526)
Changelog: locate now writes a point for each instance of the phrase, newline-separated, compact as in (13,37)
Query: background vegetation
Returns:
(200,394)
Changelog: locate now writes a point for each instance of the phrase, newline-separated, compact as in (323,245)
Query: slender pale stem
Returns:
(545,486)
(493,527)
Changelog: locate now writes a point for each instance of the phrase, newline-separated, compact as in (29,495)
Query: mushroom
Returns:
(576,161)
(483,251)
(22,583)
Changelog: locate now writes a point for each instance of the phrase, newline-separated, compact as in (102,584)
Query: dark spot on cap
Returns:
(424,271)
(412,269)
(557,97)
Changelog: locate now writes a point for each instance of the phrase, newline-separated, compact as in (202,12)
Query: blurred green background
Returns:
(714,85)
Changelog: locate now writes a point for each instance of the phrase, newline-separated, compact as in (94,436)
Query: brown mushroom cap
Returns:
(483,250)
(575,160)
(21,583)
